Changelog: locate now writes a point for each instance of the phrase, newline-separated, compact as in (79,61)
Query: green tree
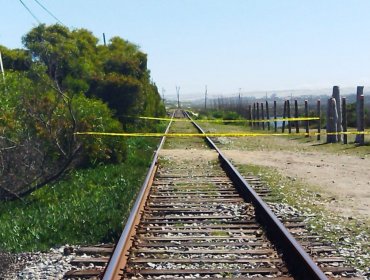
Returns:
(16,59)
(116,73)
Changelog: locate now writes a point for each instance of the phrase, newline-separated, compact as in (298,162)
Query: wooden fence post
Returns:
(284,115)
(267,115)
(296,115)
(289,116)
(359,117)
(336,95)
(262,116)
(319,121)
(254,115)
(344,120)
(331,121)
(258,114)
(307,124)
(275,116)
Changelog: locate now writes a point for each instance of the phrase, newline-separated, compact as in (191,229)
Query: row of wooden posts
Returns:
(336,120)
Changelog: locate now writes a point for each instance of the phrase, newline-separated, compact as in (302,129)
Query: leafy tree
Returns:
(125,58)
(16,59)
(53,46)
(116,73)
(122,93)
(125,84)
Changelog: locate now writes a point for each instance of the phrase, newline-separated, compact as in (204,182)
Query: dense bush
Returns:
(64,82)
(37,139)
(93,115)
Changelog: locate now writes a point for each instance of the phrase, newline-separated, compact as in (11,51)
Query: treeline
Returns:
(63,81)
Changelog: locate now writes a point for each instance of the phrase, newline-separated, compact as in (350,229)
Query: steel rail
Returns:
(298,261)
(118,259)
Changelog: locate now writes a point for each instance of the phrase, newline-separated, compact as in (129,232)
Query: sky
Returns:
(252,46)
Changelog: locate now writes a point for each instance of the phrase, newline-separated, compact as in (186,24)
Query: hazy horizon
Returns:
(261,94)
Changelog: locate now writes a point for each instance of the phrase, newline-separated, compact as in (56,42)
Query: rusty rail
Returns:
(298,260)
(118,259)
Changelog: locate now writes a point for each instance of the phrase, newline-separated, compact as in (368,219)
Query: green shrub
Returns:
(34,108)
(39,143)
(92,115)
(218,114)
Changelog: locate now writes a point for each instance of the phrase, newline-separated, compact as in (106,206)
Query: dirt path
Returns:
(343,177)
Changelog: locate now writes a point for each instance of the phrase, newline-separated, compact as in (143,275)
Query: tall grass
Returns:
(87,206)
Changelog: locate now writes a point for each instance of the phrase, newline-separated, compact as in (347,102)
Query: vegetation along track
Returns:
(201,219)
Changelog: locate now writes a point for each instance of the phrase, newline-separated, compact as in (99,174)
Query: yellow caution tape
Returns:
(286,119)
(231,134)
(236,121)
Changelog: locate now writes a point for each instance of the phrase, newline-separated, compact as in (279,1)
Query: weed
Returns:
(219,233)
(88,206)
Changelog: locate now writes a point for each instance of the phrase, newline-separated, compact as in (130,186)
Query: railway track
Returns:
(199,218)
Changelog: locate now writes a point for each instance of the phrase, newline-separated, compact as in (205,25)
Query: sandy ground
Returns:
(344,177)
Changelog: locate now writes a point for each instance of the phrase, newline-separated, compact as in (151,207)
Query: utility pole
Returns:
(2,67)
(178,96)
(240,101)
(205,99)
(163,91)
(105,43)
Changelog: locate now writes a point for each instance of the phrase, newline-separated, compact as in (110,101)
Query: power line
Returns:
(50,13)
(32,14)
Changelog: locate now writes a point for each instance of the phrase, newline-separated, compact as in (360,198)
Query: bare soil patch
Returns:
(344,177)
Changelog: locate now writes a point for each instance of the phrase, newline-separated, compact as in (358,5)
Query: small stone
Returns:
(152,265)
